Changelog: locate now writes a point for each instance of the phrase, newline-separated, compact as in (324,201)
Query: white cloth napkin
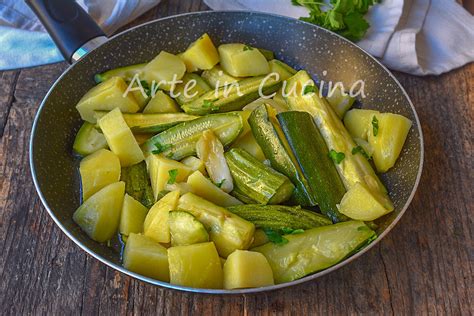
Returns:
(24,42)
(420,37)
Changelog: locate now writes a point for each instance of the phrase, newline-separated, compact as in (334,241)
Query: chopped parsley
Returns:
(146,87)
(219,184)
(360,150)
(291,231)
(275,237)
(246,47)
(207,103)
(375,125)
(336,157)
(161,148)
(173,173)
(309,89)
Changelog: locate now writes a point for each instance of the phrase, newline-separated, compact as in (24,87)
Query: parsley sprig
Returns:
(276,235)
(173,173)
(337,157)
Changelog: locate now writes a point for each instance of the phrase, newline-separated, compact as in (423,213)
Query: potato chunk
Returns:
(202,186)
(240,60)
(144,256)
(156,222)
(246,269)
(164,68)
(201,54)
(358,122)
(161,103)
(196,266)
(132,217)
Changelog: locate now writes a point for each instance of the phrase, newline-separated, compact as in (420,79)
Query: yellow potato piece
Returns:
(156,222)
(202,186)
(195,164)
(249,143)
(107,96)
(97,171)
(240,60)
(197,266)
(247,269)
(120,138)
(132,217)
(201,54)
(164,68)
(359,121)
(161,103)
(144,256)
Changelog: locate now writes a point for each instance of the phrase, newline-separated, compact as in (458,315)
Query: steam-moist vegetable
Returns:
(278,107)
(156,222)
(180,141)
(106,96)
(247,269)
(99,216)
(282,69)
(97,171)
(205,188)
(181,187)
(387,139)
(201,54)
(137,184)
(256,180)
(248,143)
(358,122)
(120,138)
(185,229)
(279,216)
(161,103)
(195,164)
(126,73)
(144,256)
(196,266)
(163,69)
(88,140)
(259,238)
(163,170)
(210,150)
(192,87)
(233,97)
(228,231)
(268,54)
(311,152)
(315,249)
(132,216)
(353,168)
(241,60)
(340,101)
(217,77)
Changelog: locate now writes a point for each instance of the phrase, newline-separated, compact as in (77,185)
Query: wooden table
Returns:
(424,266)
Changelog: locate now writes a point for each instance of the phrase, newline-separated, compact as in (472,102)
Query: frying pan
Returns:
(323,54)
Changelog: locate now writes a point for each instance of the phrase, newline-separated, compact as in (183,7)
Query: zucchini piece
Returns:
(192,87)
(137,183)
(144,256)
(152,123)
(358,122)
(340,101)
(163,69)
(259,238)
(203,187)
(282,69)
(141,100)
(195,164)
(120,138)
(210,150)
(106,96)
(201,54)
(248,143)
(88,140)
(182,187)
(132,216)
(278,98)
(217,77)
(185,229)
(156,221)
(247,269)
(180,141)
(256,180)
(353,168)
(197,266)
(275,105)
(269,136)
(99,216)
(228,231)
(315,249)
(126,73)
(98,170)
(268,54)
(228,98)
(277,217)
(241,60)
(312,154)
(161,103)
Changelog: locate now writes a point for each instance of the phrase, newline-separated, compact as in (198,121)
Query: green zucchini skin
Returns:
(264,127)
(179,141)
(311,152)
(228,98)
(127,73)
(268,54)
(256,180)
(137,183)
(200,88)
(88,140)
(279,216)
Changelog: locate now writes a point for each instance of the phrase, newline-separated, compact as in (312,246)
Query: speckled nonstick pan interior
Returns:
(301,45)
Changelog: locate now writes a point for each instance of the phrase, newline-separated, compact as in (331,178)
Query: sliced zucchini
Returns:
(185,229)
(88,140)
(201,54)
(279,107)
(282,69)
(268,54)
(137,184)
(278,98)
(161,103)
(163,69)
(241,60)
(340,101)
(248,143)
(192,87)
(217,77)
(132,216)
(126,73)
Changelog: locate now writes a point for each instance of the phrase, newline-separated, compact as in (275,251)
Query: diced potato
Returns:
(99,216)
(247,269)
(132,217)
(358,122)
(164,68)
(182,187)
(240,60)
(141,100)
(259,238)
(156,222)
(340,103)
(120,138)
(185,229)
(202,186)
(197,266)
(97,171)
(144,256)
(161,103)
(369,150)
(360,204)
(217,77)
(249,143)
(106,96)
(227,230)
(159,169)
(201,54)
(392,133)
(195,164)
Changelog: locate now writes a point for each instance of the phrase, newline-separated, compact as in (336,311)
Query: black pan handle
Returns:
(68,24)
